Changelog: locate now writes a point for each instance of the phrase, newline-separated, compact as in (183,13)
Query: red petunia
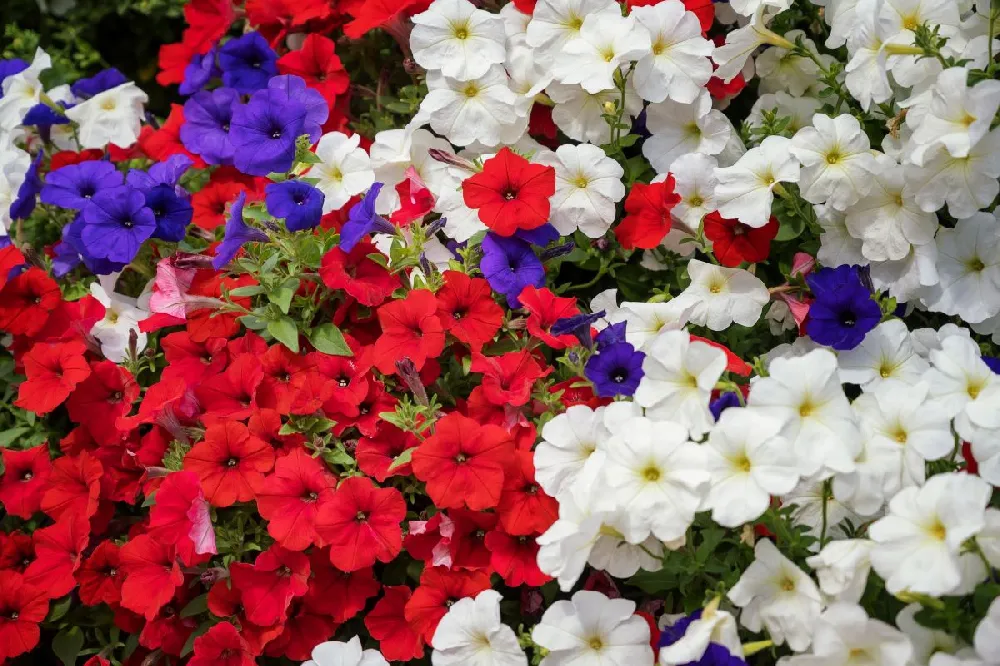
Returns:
(224,601)
(410,329)
(230,463)
(647,220)
(233,393)
(511,193)
(339,594)
(369,282)
(734,242)
(167,630)
(265,425)
(368,419)
(102,398)
(53,371)
(268,586)
(439,589)
(515,558)
(302,631)
(388,625)
(100,577)
(192,361)
(209,20)
(57,555)
(508,378)
(10,258)
(280,365)
(276,18)
(371,14)
(166,141)
(24,480)
(337,384)
(209,203)
(545,309)
(22,609)
(415,200)
(361,524)
(463,463)
(27,300)
(318,65)
(375,455)
(468,539)
(180,515)
(74,486)
(221,645)
(524,507)
(152,574)
(467,310)
(67,157)
(290,498)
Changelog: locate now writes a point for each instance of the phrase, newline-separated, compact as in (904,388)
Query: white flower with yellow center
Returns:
(344,169)
(694,182)
(113,116)
(457,39)
(567,454)
(844,635)
(478,110)
(969,269)
(719,296)
(471,634)
(604,44)
(837,163)
(588,185)
(644,321)
(22,91)
(556,22)
(677,65)
(678,129)
(745,190)
(885,355)
(956,117)
(592,630)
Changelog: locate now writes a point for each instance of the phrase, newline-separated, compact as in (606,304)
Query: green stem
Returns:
(826,497)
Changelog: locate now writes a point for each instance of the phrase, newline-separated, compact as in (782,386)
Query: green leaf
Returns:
(243,292)
(402,458)
(67,645)
(284,331)
(59,609)
(7,437)
(196,606)
(792,226)
(189,644)
(328,339)
(283,293)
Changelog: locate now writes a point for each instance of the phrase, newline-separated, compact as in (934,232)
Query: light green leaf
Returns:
(242,292)
(7,437)
(283,293)
(284,331)
(402,458)
(328,339)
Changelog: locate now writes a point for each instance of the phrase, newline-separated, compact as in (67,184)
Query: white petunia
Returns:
(611,553)
(712,626)
(957,116)
(748,7)
(925,641)
(678,64)
(678,129)
(958,374)
(694,182)
(122,315)
(874,479)
(740,43)
(588,185)
(885,355)
(644,321)
(471,634)
(780,69)
(745,190)
(14,166)
(457,39)
(798,110)
(777,595)
(919,543)
(679,375)
(394,151)
(867,78)
(844,635)
(22,91)
(113,116)
(749,461)
(965,184)
(344,169)
(719,296)
(603,45)
(593,630)
(842,568)
(837,163)
(580,114)
(337,653)
(969,270)
(468,111)
(555,22)
(806,395)
(565,458)
(564,548)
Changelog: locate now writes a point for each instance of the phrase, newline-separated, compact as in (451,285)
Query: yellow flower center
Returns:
(596,644)
(470,90)
(807,408)
(742,463)
(108,104)
(787,584)
(651,474)
(937,530)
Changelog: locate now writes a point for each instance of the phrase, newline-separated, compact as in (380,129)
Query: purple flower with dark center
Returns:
(615,370)
(27,194)
(294,89)
(843,311)
(722,403)
(66,258)
(74,185)
(238,234)
(247,62)
(116,222)
(200,71)
(73,236)
(168,172)
(612,334)
(264,131)
(363,220)
(298,202)
(540,236)
(98,83)
(207,117)
(510,265)
(172,212)
(715,654)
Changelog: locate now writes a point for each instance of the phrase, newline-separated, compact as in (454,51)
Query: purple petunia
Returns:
(843,311)
(714,655)
(363,220)
(615,370)
(10,68)
(200,71)
(298,202)
(98,83)
(264,131)
(295,90)
(238,234)
(510,265)
(116,222)
(27,194)
(74,185)
(207,118)
(247,62)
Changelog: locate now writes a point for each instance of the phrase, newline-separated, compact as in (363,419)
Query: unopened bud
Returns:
(452,159)
(407,371)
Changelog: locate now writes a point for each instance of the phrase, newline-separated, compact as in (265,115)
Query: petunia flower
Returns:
(102,398)
(291,497)
(615,370)
(230,462)
(226,601)
(544,310)
(53,371)
(339,594)
(58,554)
(508,378)
(515,559)
(25,607)
(110,117)
(299,203)
(361,524)
(336,653)
(317,63)
(734,242)
(181,516)
(221,645)
(360,276)
(524,507)
(387,624)
(467,310)
(99,576)
(116,222)
(28,300)
(238,234)
(410,329)
(844,311)
(363,220)
(208,116)
(247,63)
(590,628)
(458,39)
(74,185)
(439,589)
(268,585)
(510,193)
(202,69)
(152,574)
(24,481)
(472,634)
(510,265)
(648,214)
(264,132)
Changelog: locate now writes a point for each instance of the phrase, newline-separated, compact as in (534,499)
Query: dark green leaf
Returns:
(67,644)
(196,606)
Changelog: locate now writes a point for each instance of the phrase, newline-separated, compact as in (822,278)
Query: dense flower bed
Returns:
(561,332)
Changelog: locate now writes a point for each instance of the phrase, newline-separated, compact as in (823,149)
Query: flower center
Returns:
(361,516)
(807,408)
(659,47)
(937,530)
(27,476)
(232,462)
(619,376)
(460,458)
(460,31)
(608,54)
(509,195)
(581,182)
(651,474)
(975,387)
(574,23)
(343,382)
(975,265)
(848,319)
(596,644)
(108,104)
(742,463)
(787,584)
(695,201)
(833,157)
(470,90)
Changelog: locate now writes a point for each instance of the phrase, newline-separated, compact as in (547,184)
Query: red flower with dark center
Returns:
(303,630)
(24,480)
(511,193)
(164,402)
(508,378)
(318,65)
(463,463)
(221,646)
(371,14)
(276,18)
(439,589)
(268,586)
(53,371)
(265,425)
(375,455)
(208,20)
(524,507)
(22,609)
(192,361)
(361,524)
(367,420)
(468,540)
(734,242)
(410,329)
(224,601)
(180,516)
(74,486)
(232,394)
(467,310)
(166,141)
(290,498)
(17,552)
(27,300)
(100,576)
(387,624)
(102,398)
(339,594)
(280,366)
(230,463)
(647,220)
(209,203)
(57,555)
(515,558)
(345,381)
(361,277)
(545,309)
(152,574)
(168,631)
